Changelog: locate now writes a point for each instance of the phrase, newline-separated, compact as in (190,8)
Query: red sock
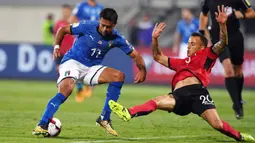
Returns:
(143,109)
(229,131)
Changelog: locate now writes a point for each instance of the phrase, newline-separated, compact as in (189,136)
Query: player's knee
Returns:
(217,125)
(119,76)
(165,102)
(159,99)
(229,72)
(66,86)
(238,72)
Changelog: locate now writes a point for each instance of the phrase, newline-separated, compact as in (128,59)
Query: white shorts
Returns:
(183,50)
(79,72)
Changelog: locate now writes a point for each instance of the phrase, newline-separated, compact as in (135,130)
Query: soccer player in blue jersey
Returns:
(83,63)
(86,10)
(185,27)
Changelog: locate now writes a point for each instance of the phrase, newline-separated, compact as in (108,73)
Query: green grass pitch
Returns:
(22,104)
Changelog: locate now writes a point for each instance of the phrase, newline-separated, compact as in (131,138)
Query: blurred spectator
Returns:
(185,27)
(89,10)
(145,30)
(68,39)
(48,30)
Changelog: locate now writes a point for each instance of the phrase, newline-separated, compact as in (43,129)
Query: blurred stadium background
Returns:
(27,76)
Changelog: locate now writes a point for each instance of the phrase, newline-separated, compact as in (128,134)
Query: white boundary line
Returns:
(140,139)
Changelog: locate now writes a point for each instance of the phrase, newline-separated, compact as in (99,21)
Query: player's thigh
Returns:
(165,102)
(68,75)
(228,67)
(201,101)
(101,74)
(213,118)
(111,75)
(236,48)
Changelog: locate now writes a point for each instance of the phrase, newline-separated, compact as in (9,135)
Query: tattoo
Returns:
(156,51)
(219,47)
(140,63)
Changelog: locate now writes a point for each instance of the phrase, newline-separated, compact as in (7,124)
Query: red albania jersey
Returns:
(68,40)
(198,65)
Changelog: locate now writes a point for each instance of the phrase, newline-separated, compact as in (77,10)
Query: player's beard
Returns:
(107,33)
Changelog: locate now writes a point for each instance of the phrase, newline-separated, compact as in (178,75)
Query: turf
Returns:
(22,104)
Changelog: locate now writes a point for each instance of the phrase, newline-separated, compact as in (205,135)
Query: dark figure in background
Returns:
(232,57)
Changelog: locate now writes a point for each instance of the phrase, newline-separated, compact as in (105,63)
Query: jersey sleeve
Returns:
(173,63)
(79,28)
(244,4)
(204,7)
(125,46)
(211,54)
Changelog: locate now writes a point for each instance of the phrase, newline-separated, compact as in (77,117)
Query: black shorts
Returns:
(193,98)
(235,49)
(58,60)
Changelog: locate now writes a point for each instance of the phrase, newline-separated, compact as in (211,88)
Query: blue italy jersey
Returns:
(186,29)
(83,11)
(90,47)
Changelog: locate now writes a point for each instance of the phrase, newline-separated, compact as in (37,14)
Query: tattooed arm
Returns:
(219,47)
(156,51)
(221,18)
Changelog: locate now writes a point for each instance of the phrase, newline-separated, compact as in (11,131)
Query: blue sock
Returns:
(52,108)
(113,93)
(79,86)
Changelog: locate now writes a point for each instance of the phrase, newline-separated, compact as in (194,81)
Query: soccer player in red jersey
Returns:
(68,39)
(189,83)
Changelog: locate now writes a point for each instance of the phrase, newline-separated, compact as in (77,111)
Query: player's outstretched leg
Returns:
(212,117)
(65,89)
(166,103)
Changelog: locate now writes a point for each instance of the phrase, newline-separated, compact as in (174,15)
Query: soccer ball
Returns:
(54,127)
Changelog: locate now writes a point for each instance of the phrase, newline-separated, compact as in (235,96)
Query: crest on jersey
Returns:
(187,60)
(100,42)
(110,43)
(228,10)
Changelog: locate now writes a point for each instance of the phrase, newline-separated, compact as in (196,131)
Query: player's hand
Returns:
(158,29)
(56,53)
(238,14)
(222,15)
(140,77)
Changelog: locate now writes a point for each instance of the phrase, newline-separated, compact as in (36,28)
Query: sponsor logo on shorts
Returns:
(205,100)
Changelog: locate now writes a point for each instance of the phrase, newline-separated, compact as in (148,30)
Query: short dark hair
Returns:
(66,6)
(109,14)
(203,39)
